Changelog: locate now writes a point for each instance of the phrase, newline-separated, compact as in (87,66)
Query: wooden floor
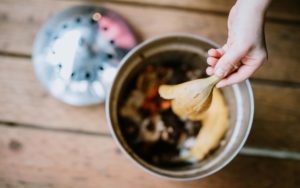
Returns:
(45,143)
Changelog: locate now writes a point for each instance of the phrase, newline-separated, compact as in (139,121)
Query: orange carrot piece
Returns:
(165,105)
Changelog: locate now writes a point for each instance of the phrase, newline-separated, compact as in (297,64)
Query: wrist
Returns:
(255,6)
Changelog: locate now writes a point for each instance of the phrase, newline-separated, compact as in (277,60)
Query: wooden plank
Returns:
(282,39)
(35,158)
(24,101)
(283,10)
(277,117)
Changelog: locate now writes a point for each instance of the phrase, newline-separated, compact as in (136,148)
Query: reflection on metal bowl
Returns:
(77,52)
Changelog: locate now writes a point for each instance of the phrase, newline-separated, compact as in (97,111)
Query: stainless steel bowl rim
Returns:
(115,137)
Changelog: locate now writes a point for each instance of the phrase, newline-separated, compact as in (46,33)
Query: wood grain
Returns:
(24,101)
(282,10)
(70,160)
(46,143)
(277,117)
(282,39)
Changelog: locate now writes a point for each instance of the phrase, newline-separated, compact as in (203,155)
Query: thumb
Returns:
(229,61)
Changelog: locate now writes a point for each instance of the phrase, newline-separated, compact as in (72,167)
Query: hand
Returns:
(245,49)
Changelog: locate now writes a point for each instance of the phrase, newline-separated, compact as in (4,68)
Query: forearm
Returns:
(256,6)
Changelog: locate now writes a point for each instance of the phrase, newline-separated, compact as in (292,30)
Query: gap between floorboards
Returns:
(247,151)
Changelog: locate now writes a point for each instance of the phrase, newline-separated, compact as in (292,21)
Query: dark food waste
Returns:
(148,123)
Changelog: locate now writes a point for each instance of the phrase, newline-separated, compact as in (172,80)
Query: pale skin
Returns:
(245,50)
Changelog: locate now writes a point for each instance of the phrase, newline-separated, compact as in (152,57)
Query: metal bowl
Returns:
(238,97)
(77,52)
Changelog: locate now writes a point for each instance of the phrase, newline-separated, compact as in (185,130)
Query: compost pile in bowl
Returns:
(151,128)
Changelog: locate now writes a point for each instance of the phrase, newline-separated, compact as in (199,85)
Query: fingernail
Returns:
(210,52)
(220,72)
(209,71)
(209,60)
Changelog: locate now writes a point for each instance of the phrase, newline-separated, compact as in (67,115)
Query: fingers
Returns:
(229,61)
(213,57)
(209,71)
(243,73)
(212,61)
(217,53)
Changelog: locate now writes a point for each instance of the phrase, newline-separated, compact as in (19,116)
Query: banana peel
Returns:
(215,122)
